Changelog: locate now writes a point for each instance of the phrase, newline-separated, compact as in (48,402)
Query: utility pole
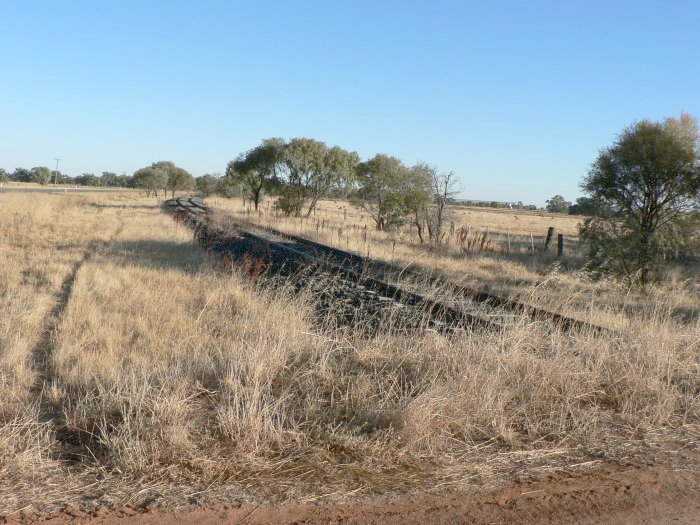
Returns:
(55,176)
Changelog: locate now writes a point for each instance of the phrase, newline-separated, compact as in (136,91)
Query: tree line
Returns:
(301,171)
(583,206)
(642,193)
(160,176)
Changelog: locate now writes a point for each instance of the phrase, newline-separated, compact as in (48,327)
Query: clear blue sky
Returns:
(515,97)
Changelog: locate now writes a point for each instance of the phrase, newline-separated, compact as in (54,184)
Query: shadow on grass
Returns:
(157,254)
(125,206)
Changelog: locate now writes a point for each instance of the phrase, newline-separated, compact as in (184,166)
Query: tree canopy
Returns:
(382,189)
(163,175)
(312,169)
(649,182)
(557,204)
(256,169)
(151,180)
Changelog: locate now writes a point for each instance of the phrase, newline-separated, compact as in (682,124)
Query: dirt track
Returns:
(610,495)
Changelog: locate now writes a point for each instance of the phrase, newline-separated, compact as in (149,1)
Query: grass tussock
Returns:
(164,371)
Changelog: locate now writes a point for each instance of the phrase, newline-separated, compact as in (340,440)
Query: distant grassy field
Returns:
(133,369)
(485,261)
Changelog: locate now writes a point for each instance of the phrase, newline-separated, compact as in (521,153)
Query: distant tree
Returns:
(42,175)
(88,179)
(4,177)
(311,170)
(229,188)
(109,179)
(586,206)
(649,181)
(427,195)
(207,185)
(337,168)
(416,191)
(256,170)
(379,193)
(22,175)
(302,159)
(443,187)
(150,180)
(178,179)
(558,204)
(126,181)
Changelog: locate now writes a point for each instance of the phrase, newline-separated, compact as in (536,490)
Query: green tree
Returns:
(416,197)
(312,171)
(150,180)
(649,181)
(302,160)
(257,169)
(336,168)
(380,182)
(207,184)
(88,179)
(178,179)
(22,175)
(558,204)
(4,177)
(109,179)
(586,206)
(42,175)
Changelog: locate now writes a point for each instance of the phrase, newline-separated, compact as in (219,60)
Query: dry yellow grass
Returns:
(518,222)
(536,277)
(170,374)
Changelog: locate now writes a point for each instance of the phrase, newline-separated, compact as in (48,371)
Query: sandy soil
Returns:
(609,495)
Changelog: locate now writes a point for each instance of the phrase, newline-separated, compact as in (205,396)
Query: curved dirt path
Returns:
(632,496)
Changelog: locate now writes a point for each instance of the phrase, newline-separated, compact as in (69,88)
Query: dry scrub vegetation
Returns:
(484,261)
(162,377)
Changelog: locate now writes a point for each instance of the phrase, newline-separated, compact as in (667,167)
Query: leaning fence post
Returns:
(548,240)
(560,245)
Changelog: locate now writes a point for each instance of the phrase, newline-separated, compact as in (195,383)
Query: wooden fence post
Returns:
(560,245)
(548,240)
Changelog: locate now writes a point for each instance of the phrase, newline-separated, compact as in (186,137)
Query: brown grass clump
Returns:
(164,377)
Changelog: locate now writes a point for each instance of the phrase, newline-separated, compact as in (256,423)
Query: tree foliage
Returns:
(151,180)
(257,169)
(163,175)
(207,184)
(88,179)
(22,175)
(304,170)
(557,204)
(178,179)
(587,206)
(42,175)
(649,183)
(311,170)
(380,182)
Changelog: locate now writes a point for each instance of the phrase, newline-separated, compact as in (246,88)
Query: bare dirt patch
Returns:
(607,495)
